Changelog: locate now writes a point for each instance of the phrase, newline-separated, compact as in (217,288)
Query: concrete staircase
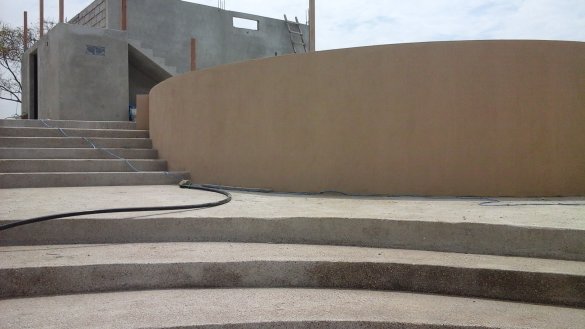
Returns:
(285,262)
(78,153)
(147,58)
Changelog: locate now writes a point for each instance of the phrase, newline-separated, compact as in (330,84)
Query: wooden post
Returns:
(61,11)
(123,16)
(312,25)
(41,18)
(193,54)
(25,36)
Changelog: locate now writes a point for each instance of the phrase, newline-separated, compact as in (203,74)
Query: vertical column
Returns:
(61,11)
(312,25)
(142,112)
(193,54)
(25,36)
(123,16)
(41,18)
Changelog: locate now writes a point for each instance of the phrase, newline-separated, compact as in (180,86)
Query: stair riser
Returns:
(24,166)
(334,325)
(45,132)
(527,287)
(35,180)
(73,142)
(433,236)
(69,124)
(71,153)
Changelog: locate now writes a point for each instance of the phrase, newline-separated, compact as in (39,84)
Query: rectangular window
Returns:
(95,50)
(243,23)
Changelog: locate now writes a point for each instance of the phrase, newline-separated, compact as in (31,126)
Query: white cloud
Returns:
(353,23)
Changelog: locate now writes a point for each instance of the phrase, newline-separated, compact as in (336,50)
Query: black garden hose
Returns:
(221,190)
(184,184)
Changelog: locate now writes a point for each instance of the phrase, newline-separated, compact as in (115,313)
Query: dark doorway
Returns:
(34,67)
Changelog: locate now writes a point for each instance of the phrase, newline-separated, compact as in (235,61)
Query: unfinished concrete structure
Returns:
(93,68)
(480,118)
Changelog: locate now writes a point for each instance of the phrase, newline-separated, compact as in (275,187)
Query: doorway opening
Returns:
(34,74)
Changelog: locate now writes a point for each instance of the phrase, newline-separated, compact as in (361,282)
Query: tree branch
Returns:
(10,99)
(12,93)
(12,73)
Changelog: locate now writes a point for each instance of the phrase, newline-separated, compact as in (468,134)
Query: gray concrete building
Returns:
(93,67)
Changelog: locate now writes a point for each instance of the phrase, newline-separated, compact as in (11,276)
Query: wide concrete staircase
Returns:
(232,267)
(53,153)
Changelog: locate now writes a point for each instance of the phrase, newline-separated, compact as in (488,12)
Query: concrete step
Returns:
(59,270)
(448,225)
(74,142)
(65,179)
(280,308)
(79,165)
(529,242)
(74,153)
(69,124)
(68,132)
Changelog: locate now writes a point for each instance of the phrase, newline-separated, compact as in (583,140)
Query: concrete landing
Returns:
(526,228)
(279,308)
(540,213)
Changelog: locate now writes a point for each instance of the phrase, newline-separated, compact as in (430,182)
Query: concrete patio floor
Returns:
(18,204)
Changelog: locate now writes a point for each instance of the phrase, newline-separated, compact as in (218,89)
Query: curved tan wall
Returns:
(495,118)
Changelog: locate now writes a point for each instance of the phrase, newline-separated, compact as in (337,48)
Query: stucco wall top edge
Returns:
(290,57)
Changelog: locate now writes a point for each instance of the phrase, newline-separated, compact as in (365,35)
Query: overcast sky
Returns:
(354,23)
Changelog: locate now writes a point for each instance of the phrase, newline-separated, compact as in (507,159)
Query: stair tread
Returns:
(17,153)
(218,252)
(71,132)
(451,225)
(80,165)
(74,148)
(88,178)
(68,129)
(75,160)
(340,209)
(58,270)
(95,172)
(69,124)
(2,149)
(69,137)
(51,120)
(278,308)
(74,142)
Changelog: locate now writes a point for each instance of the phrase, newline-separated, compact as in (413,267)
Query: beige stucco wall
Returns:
(483,118)
(142,112)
